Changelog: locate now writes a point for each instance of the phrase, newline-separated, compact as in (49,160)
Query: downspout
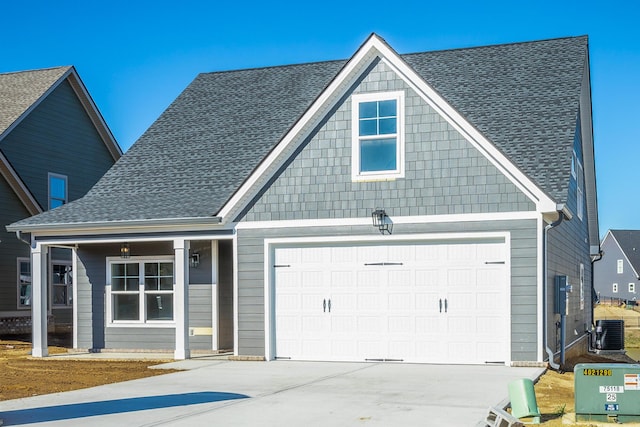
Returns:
(19,236)
(545,281)
(593,291)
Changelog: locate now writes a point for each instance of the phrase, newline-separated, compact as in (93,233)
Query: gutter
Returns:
(562,214)
(139,223)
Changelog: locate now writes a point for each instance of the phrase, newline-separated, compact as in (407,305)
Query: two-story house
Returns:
(54,145)
(617,274)
(412,207)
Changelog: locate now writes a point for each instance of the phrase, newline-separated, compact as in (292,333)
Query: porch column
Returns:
(39,300)
(181,295)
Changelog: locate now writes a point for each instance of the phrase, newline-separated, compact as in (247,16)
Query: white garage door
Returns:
(433,302)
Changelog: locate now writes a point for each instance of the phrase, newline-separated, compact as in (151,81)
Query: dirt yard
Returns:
(23,376)
(554,391)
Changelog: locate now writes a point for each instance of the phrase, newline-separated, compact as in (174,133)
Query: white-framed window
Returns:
(620,266)
(632,288)
(581,278)
(579,190)
(615,288)
(377,136)
(140,291)
(61,280)
(61,284)
(24,283)
(574,156)
(57,190)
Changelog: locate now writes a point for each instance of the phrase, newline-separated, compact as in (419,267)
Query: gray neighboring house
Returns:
(616,275)
(384,207)
(54,145)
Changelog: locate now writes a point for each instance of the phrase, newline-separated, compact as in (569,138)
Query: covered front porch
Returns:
(142,293)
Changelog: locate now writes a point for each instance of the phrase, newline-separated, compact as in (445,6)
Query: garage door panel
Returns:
(437,302)
(400,278)
(400,301)
(370,302)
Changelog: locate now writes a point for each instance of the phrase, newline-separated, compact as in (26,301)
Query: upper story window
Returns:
(620,266)
(57,190)
(378,136)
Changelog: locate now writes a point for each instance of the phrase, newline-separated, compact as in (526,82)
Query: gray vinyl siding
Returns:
(568,247)
(444,173)
(91,303)
(57,136)
(199,315)
(524,240)
(606,273)
(11,209)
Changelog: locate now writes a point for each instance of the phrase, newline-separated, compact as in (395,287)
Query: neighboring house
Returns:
(54,145)
(244,217)
(616,274)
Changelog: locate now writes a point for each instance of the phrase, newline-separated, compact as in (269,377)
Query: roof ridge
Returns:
(498,45)
(37,69)
(270,67)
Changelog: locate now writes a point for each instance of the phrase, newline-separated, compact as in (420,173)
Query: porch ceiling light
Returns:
(125,251)
(381,221)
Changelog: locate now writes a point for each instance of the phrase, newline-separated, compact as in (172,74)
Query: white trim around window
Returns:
(24,283)
(632,288)
(620,266)
(139,295)
(615,288)
(380,138)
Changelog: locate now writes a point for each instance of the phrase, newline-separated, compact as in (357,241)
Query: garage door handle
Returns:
(440,305)
(324,305)
(329,306)
(446,305)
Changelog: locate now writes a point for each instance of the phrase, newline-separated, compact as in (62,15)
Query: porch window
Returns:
(141,290)
(60,285)
(24,283)
(61,282)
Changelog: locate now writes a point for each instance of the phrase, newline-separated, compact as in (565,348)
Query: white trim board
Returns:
(423,219)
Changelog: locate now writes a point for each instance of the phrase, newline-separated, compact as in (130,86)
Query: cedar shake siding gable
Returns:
(445,174)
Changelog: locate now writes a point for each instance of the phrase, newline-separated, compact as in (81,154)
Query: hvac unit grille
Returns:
(610,334)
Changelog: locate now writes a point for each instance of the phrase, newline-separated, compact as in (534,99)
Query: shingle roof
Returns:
(523,97)
(629,241)
(20,90)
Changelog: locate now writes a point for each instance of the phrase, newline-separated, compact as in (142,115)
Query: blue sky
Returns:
(136,56)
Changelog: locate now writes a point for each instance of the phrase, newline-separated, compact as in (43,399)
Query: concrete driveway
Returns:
(280,393)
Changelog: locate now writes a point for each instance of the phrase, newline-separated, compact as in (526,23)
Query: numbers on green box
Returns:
(590,372)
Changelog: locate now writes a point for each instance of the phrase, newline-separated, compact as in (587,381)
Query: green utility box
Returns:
(606,391)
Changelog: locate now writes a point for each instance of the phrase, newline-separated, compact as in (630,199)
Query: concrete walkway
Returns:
(281,393)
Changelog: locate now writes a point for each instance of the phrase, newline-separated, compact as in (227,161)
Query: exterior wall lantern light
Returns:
(194,260)
(125,251)
(381,221)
